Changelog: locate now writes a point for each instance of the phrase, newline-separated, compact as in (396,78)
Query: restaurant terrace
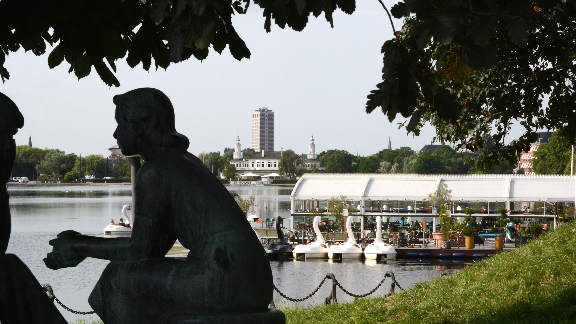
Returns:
(405,196)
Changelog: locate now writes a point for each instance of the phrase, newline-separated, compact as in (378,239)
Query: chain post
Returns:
(393,284)
(332,298)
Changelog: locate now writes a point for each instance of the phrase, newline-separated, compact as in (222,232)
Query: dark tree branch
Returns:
(389,16)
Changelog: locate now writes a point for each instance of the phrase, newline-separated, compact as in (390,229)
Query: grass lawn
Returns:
(535,283)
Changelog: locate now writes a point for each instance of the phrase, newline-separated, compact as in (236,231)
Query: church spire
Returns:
(389,143)
(29,141)
(237,150)
(311,150)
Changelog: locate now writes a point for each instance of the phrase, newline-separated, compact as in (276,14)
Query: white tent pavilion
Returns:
(496,188)
(271,175)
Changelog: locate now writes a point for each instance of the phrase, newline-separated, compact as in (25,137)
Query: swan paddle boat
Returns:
(252,218)
(279,249)
(118,229)
(349,250)
(315,250)
(378,249)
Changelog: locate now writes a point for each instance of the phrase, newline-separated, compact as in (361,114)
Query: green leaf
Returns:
(133,58)
(237,47)
(105,74)
(348,6)
(82,66)
(237,5)
(56,56)
(219,42)
(400,10)
(111,63)
(4,75)
(161,55)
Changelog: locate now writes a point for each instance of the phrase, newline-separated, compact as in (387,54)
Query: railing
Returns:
(332,298)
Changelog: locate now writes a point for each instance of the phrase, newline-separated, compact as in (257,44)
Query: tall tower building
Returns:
(263,130)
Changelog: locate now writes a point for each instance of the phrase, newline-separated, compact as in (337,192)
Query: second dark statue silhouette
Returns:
(226,277)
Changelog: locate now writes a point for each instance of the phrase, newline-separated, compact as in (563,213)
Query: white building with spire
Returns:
(268,162)
(310,160)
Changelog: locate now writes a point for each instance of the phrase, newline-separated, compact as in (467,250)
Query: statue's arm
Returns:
(152,234)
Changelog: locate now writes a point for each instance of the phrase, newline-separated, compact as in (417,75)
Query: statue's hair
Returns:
(152,106)
(11,119)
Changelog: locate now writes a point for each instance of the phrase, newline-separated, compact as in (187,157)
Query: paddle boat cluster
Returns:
(319,249)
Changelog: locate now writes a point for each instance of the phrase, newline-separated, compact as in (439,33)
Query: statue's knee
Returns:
(103,287)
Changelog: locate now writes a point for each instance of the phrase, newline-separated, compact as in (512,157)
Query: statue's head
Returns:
(10,121)
(145,120)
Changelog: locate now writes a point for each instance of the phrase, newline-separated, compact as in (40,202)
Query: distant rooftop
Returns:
(267,155)
(544,137)
(263,109)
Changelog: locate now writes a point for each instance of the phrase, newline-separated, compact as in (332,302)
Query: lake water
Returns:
(41,212)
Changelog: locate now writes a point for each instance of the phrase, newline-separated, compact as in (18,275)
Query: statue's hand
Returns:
(63,254)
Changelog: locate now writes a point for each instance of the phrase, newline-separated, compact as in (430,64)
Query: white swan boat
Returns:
(252,218)
(117,229)
(378,249)
(349,250)
(314,250)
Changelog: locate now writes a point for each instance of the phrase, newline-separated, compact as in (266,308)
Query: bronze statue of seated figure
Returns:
(225,278)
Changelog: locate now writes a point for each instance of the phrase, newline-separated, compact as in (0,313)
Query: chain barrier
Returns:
(303,298)
(335,283)
(330,299)
(53,298)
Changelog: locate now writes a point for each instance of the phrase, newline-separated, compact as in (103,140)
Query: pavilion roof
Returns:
(484,187)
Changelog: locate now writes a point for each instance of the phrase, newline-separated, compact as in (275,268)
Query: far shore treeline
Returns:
(53,165)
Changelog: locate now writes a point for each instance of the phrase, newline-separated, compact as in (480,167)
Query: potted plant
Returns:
(535,230)
(440,198)
(469,231)
(521,237)
(501,222)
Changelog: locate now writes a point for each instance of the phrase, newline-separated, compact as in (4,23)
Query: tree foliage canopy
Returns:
(337,161)
(96,34)
(474,68)
(290,164)
(554,157)
(229,172)
(56,162)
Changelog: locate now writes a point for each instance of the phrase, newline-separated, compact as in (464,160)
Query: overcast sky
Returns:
(315,81)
